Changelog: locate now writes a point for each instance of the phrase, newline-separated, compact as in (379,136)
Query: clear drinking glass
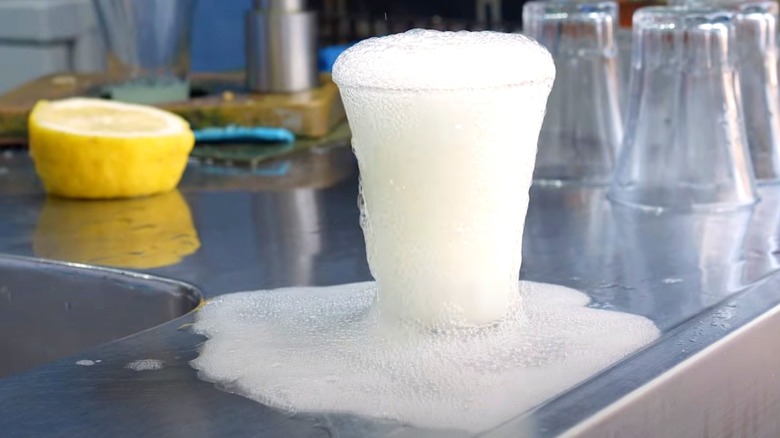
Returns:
(685,146)
(756,40)
(148,48)
(756,57)
(583,127)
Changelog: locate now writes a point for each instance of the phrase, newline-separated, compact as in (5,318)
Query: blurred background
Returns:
(41,37)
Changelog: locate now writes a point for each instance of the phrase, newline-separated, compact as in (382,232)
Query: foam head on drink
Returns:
(445,126)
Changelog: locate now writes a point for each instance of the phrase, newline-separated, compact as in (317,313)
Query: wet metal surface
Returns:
(51,310)
(706,280)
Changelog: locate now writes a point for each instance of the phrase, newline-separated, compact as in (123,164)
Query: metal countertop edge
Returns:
(572,412)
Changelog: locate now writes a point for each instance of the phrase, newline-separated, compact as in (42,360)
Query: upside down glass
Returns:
(148,48)
(583,126)
(756,59)
(756,40)
(445,167)
(685,146)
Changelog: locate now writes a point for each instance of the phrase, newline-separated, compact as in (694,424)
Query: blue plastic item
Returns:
(234,133)
(327,56)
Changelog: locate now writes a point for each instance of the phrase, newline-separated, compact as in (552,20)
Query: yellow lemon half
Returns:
(94,148)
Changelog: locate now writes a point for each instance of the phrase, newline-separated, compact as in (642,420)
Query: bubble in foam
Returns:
(434,60)
(146,365)
(325,350)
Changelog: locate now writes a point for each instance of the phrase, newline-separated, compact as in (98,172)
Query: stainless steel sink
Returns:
(51,310)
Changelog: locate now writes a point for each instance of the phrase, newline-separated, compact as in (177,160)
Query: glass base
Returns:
(662,205)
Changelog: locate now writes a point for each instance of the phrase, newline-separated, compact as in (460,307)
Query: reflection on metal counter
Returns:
(141,233)
(281,47)
(295,251)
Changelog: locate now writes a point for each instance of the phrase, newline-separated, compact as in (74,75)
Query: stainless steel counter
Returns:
(706,280)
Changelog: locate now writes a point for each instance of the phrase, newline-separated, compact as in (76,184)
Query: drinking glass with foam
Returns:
(445,126)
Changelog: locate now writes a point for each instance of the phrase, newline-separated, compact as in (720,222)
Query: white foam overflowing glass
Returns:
(445,127)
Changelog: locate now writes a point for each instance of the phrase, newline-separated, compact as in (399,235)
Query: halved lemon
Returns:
(94,148)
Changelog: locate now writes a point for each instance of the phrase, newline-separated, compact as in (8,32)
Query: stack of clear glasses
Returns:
(699,126)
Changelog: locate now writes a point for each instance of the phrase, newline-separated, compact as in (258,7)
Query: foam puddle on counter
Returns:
(324,350)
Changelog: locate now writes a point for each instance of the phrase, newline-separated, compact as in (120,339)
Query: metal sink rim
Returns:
(192,294)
